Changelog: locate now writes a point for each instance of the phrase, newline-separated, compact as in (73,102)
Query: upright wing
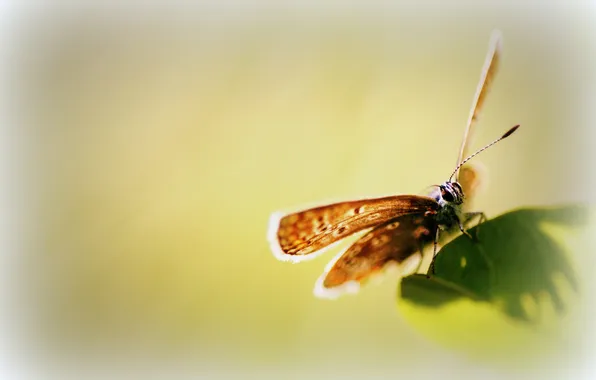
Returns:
(296,236)
(393,242)
(470,178)
(489,70)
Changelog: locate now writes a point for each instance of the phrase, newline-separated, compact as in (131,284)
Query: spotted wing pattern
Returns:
(394,241)
(297,234)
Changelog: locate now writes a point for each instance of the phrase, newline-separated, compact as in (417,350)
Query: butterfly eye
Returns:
(447,195)
(455,184)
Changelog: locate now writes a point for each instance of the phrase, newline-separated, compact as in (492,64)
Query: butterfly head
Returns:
(450,192)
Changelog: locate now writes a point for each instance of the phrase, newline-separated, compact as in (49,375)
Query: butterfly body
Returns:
(450,198)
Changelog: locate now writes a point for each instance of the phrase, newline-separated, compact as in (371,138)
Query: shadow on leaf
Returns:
(513,262)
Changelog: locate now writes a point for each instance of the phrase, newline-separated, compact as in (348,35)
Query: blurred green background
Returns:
(157,141)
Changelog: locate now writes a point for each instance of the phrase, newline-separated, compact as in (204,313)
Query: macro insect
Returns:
(399,227)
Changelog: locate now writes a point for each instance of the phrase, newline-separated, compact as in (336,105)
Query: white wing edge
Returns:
(279,254)
(353,287)
(495,47)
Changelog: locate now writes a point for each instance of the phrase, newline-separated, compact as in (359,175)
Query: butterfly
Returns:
(398,228)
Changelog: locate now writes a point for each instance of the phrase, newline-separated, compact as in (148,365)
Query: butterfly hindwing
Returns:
(296,236)
(470,178)
(392,242)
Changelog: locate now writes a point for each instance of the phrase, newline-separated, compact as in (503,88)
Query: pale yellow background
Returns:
(155,142)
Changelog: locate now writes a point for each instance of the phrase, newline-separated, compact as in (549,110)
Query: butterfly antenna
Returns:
(507,134)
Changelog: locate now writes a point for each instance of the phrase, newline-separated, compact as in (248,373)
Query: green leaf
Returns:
(517,271)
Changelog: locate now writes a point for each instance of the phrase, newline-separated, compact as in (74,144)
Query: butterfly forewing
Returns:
(392,242)
(296,236)
(489,70)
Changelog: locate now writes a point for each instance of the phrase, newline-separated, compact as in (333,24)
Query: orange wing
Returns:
(391,243)
(296,236)
(471,177)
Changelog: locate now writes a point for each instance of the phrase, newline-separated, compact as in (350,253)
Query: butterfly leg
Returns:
(436,241)
(469,216)
(421,250)
(463,230)
(431,268)
(481,219)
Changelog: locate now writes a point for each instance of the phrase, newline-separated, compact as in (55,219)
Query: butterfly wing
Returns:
(470,178)
(489,71)
(393,242)
(297,236)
